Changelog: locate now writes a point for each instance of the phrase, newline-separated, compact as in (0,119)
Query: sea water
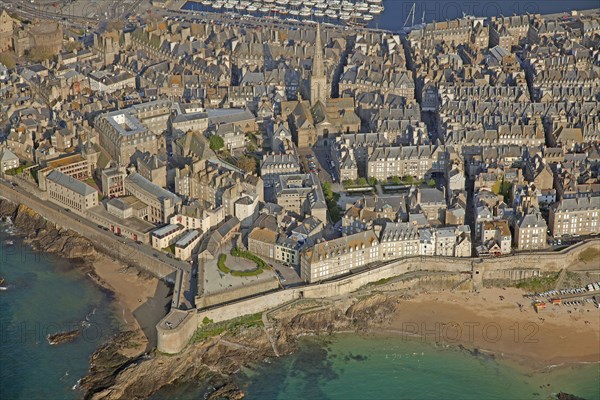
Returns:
(46,294)
(348,367)
(355,367)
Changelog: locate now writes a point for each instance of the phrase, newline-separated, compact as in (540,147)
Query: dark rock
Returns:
(229,391)
(567,396)
(44,235)
(63,337)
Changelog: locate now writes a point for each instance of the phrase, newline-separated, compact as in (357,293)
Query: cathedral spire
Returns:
(318,68)
(318,81)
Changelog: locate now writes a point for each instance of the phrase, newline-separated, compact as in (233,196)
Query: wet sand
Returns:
(140,301)
(486,322)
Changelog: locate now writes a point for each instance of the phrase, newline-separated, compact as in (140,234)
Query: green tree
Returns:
(216,143)
(431,182)
(247,163)
(372,181)
(348,182)
(408,179)
(327,190)
(396,180)
(362,181)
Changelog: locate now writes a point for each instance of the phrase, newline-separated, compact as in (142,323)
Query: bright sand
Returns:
(557,335)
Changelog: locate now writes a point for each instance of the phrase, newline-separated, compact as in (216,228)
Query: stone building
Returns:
(46,37)
(339,256)
(162,203)
(398,240)
(6,32)
(113,181)
(417,161)
(273,165)
(69,192)
(301,194)
(496,233)
(575,216)
(123,132)
(530,232)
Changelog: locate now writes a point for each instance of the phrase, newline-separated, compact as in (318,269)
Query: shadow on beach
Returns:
(152,311)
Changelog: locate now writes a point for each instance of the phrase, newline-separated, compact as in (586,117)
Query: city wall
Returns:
(518,266)
(240,292)
(172,340)
(103,241)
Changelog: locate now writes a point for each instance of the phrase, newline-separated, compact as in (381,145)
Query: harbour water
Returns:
(46,294)
(397,13)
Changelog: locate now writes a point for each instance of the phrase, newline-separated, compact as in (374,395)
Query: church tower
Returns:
(318,81)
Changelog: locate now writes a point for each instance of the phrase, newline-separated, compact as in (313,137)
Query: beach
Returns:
(140,301)
(491,320)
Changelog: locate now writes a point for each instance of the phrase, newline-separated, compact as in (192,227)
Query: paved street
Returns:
(126,246)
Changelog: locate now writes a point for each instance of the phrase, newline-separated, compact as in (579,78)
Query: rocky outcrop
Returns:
(63,337)
(44,235)
(216,359)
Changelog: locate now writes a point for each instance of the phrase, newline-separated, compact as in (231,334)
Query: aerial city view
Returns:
(286,199)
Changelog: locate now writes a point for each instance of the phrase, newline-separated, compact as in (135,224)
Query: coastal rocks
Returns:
(105,363)
(317,321)
(7,209)
(45,236)
(63,337)
(228,391)
(216,359)
(372,310)
(567,396)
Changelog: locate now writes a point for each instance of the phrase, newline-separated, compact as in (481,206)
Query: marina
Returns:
(358,12)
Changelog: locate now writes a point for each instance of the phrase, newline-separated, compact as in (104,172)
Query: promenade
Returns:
(122,249)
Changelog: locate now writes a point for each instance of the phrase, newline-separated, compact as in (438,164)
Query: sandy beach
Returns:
(493,321)
(140,301)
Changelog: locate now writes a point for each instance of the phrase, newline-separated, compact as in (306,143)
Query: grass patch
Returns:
(589,254)
(261,265)
(221,264)
(379,282)
(19,170)
(538,284)
(252,272)
(211,329)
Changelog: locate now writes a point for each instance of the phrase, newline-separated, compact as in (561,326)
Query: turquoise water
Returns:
(353,367)
(46,294)
(348,367)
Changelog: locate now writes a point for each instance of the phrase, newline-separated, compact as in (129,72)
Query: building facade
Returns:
(68,192)
(575,216)
(336,257)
